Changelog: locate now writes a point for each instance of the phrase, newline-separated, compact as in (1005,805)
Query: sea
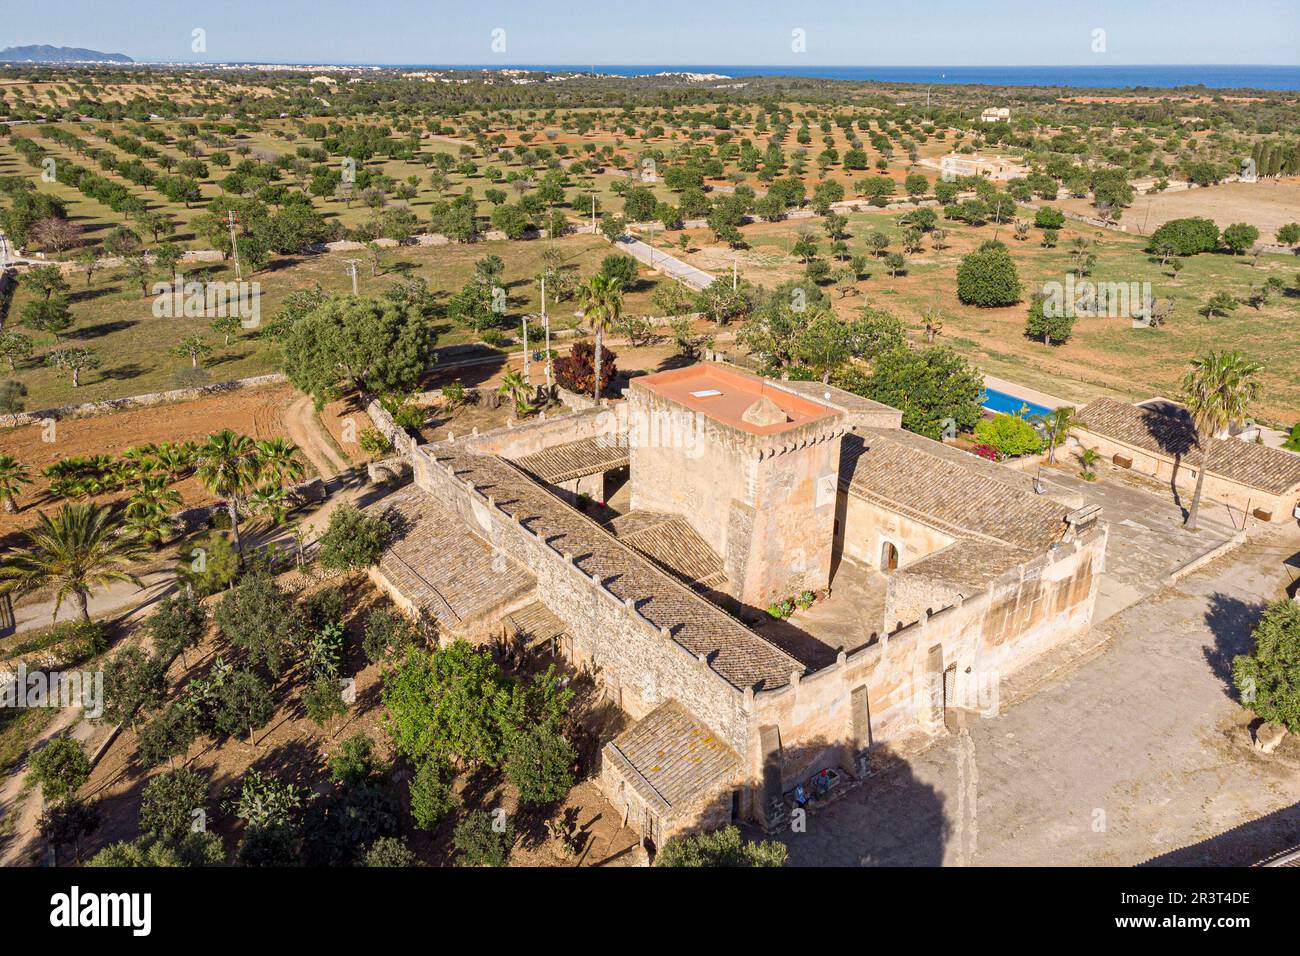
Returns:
(1213,76)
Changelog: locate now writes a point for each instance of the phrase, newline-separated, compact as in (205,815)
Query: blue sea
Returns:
(1215,76)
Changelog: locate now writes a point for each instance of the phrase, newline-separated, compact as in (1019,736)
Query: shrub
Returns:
(1011,435)
(432,797)
(133,681)
(168,735)
(355,761)
(723,847)
(620,267)
(484,839)
(1049,218)
(191,849)
(323,700)
(373,442)
(388,634)
(987,277)
(60,767)
(211,566)
(1050,329)
(261,620)
(576,371)
(540,765)
(1268,678)
(168,803)
(1186,237)
(390,851)
(352,540)
(177,625)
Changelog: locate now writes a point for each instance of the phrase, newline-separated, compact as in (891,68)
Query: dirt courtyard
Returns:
(1267,205)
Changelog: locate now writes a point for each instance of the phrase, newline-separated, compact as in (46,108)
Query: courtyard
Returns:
(1123,747)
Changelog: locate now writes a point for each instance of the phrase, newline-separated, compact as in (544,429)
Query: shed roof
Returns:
(1166,430)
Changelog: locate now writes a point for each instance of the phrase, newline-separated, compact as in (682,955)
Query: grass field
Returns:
(134,347)
(1105,355)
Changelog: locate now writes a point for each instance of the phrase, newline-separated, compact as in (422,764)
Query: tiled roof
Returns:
(573,459)
(673,757)
(670,542)
(910,475)
(968,566)
(535,623)
(440,566)
(742,657)
(1168,432)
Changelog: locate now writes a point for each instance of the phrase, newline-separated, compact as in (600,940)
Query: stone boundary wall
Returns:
(90,409)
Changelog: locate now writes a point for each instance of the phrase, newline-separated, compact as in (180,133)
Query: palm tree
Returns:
(229,466)
(279,459)
(1217,390)
(1087,458)
(148,510)
(1057,423)
(13,475)
(513,385)
(76,551)
(601,300)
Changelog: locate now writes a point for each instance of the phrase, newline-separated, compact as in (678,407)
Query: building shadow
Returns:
(891,819)
(1244,845)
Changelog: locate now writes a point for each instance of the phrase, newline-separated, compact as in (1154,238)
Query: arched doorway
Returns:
(888,556)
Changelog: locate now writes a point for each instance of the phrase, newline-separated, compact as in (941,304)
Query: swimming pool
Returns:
(996,401)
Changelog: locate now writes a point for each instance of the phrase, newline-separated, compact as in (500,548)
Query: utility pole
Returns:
(547,322)
(528,374)
(733,273)
(352,271)
(593,212)
(231,221)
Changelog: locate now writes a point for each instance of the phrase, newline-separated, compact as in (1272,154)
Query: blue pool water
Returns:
(996,401)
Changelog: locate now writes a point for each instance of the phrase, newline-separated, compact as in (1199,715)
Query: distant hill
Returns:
(59,54)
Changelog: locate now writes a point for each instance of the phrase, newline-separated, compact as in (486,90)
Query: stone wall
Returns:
(91,409)
(639,666)
(987,636)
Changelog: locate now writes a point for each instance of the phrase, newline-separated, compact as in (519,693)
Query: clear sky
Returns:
(721,32)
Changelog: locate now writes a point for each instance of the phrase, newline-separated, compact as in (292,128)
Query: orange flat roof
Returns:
(724,394)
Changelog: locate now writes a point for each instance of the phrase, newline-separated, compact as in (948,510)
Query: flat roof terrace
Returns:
(725,395)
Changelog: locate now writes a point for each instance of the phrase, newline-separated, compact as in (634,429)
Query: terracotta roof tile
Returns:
(1168,432)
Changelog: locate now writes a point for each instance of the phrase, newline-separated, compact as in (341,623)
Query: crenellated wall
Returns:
(765,504)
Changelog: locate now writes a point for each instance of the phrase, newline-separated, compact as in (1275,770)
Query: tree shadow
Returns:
(123,372)
(102,329)
(1231,621)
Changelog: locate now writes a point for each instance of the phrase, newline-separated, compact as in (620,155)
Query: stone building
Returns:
(922,576)
(1158,439)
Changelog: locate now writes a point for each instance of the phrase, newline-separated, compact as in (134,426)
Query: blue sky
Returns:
(848,32)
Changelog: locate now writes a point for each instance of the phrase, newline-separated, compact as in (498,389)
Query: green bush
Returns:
(1268,678)
(1011,435)
(481,843)
(168,803)
(721,848)
(1186,237)
(540,765)
(1049,218)
(352,540)
(987,277)
(432,797)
